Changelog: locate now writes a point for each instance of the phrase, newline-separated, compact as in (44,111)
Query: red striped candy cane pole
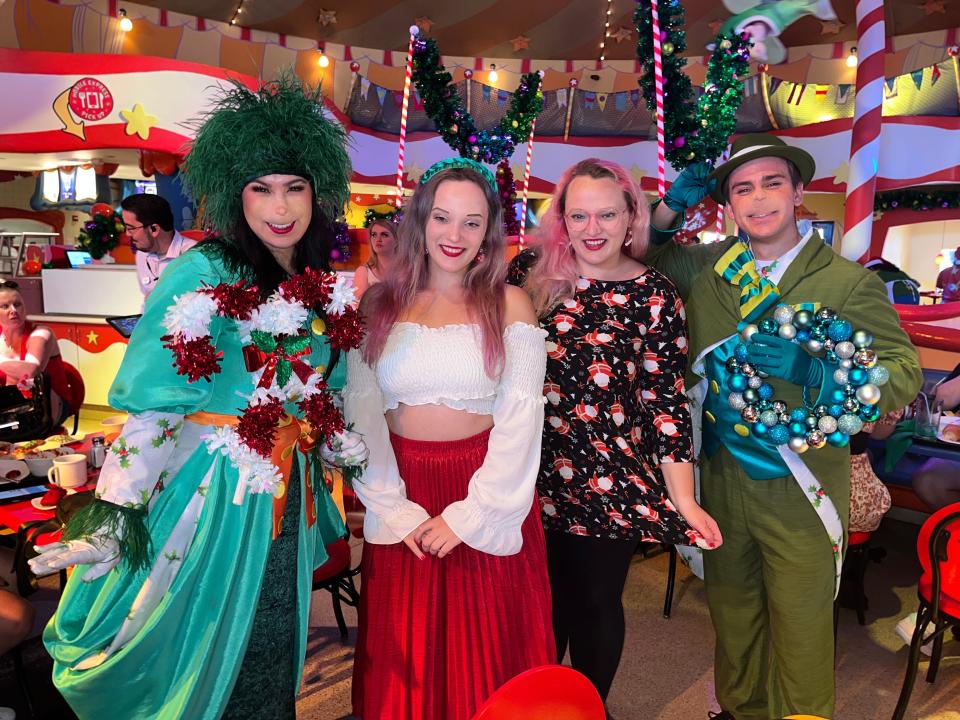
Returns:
(865,140)
(658,85)
(526,183)
(723,158)
(408,77)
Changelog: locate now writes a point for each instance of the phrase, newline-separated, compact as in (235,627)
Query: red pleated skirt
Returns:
(438,636)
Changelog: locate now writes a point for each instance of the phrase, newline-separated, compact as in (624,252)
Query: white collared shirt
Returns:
(151,265)
(783,262)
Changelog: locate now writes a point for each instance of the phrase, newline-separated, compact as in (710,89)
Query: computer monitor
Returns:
(79,258)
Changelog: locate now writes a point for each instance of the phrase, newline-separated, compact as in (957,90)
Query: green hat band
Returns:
(460,162)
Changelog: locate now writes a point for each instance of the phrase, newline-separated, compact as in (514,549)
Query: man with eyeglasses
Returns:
(149,222)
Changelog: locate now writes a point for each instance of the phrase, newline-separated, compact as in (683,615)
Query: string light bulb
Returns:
(126,24)
(236,13)
(492,76)
(852,58)
(323,60)
(606,30)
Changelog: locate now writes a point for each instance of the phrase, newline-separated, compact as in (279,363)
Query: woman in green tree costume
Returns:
(197,555)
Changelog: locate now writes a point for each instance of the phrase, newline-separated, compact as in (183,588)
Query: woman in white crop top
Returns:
(448,395)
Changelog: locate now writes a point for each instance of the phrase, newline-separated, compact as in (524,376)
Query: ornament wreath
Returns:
(277,333)
(101,234)
(851,404)
(455,125)
(695,131)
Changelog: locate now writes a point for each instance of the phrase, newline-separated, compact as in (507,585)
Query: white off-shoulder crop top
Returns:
(423,365)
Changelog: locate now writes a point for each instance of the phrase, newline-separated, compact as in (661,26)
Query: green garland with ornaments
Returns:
(922,200)
(101,234)
(372,216)
(694,131)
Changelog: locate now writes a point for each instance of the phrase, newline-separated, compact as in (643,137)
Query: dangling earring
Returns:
(629,237)
(480,256)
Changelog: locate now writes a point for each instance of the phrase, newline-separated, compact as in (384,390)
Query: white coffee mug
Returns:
(68,471)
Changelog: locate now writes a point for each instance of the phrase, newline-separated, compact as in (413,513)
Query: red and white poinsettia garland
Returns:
(276,334)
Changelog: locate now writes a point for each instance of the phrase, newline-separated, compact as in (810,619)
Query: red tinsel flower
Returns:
(258,426)
(311,287)
(196,359)
(345,331)
(322,414)
(237,300)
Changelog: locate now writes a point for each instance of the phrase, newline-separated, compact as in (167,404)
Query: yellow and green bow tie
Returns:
(757,293)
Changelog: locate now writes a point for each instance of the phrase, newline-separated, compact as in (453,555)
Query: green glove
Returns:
(690,187)
(784,359)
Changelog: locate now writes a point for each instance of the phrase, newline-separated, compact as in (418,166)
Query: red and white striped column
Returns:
(408,77)
(526,183)
(865,140)
(658,87)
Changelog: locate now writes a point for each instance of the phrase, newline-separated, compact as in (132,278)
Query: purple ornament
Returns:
(472,139)
(894,203)
(680,141)
(335,254)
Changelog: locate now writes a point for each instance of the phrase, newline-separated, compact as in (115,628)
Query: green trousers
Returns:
(770,590)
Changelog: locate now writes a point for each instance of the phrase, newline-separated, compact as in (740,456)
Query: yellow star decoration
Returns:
(622,34)
(424,23)
(831,27)
(414,172)
(520,42)
(637,172)
(92,337)
(138,122)
(841,175)
(327,17)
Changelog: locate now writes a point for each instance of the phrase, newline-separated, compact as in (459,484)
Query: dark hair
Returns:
(793,170)
(150,210)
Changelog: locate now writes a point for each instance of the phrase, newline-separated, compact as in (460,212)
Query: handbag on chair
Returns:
(26,418)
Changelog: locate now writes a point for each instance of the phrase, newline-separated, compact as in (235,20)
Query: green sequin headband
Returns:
(460,162)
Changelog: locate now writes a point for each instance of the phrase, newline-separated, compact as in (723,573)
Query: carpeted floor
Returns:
(666,671)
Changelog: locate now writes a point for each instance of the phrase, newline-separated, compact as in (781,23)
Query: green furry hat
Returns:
(280,129)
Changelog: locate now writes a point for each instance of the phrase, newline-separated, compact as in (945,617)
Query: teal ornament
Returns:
(768,326)
(870,413)
(838,439)
(732,365)
(827,424)
(849,390)
(858,376)
(836,410)
(803,319)
(803,335)
(798,429)
(736,401)
(839,330)
(740,352)
(811,422)
(837,396)
(861,339)
(760,430)
(849,424)
(765,391)
(831,357)
(750,396)
(779,434)
(818,332)
(798,415)
(769,418)
(737,383)
(878,375)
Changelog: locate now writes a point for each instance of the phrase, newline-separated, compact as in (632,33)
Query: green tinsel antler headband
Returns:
(460,162)
(278,129)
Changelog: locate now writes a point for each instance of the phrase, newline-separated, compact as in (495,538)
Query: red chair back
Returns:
(548,692)
(950,567)
(77,389)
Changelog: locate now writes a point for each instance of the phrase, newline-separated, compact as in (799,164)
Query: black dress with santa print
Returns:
(616,357)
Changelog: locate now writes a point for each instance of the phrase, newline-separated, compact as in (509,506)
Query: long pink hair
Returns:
(554,276)
(483,284)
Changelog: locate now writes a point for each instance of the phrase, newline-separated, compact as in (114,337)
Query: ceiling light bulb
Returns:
(324,61)
(126,24)
(852,58)
(492,76)
(239,10)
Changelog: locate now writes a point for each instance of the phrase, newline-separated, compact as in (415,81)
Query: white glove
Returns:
(101,553)
(346,449)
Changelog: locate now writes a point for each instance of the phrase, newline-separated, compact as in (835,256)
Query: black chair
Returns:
(336,577)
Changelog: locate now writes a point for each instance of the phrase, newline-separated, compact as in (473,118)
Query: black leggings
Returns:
(587,576)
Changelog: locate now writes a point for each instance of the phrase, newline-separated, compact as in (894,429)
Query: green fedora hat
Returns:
(753,147)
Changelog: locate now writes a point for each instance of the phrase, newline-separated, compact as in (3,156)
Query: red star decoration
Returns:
(424,23)
(520,42)
(715,26)
(830,27)
(933,6)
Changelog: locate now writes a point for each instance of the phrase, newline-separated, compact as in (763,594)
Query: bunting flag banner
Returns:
(890,88)
(751,86)
(364,87)
(486,93)
(917,76)
(589,99)
(843,94)
(635,97)
(381,94)
(796,94)
(620,101)
(502,96)
(773,83)
(562,97)
(934,75)
(821,92)
(602,101)
(398,98)
(417,101)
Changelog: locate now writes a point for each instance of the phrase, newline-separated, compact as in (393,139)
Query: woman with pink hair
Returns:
(617,460)
(448,394)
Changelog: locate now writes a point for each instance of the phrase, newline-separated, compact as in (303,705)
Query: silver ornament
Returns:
(783,314)
(814,345)
(750,414)
(878,375)
(747,332)
(826,314)
(827,424)
(846,364)
(865,358)
(868,394)
(828,344)
(816,439)
(851,405)
(841,376)
(849,424)
(798,445)
(755,382)
(785,418)
(861,339)
(787,332)
(748,370)
(779,407)
(736,401)
(769,418)
(845,349)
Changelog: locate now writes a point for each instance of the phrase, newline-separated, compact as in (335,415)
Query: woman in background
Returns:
(383,241)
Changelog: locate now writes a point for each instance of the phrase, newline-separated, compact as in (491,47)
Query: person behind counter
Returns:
(27,349)
(383,239)
(149,222)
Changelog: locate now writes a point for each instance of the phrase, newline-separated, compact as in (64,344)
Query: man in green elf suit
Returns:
(782,509)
